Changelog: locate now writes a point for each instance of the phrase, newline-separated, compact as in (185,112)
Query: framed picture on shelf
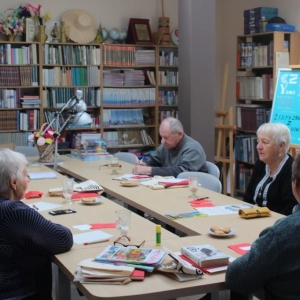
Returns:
(139,32)
(49,27)
(30,29)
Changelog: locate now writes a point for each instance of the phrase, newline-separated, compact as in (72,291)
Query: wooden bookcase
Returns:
(258,58)
(121,84)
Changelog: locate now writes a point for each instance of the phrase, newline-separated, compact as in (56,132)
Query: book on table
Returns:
(146,256)
(205,255)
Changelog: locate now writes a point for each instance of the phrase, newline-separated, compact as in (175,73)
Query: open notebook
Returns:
(85,186)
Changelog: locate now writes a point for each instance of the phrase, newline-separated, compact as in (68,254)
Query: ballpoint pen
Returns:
(142,158)
(203,198)
(96,242)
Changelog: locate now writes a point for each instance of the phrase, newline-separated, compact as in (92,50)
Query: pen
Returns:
(202,198)
(35,207)
(142,158)
(96,242)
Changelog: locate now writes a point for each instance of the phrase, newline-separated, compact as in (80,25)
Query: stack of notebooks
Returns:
(119,265)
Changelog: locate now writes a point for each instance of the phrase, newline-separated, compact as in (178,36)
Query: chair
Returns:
(28,151)
(212,169)
(127,157)
(206,180)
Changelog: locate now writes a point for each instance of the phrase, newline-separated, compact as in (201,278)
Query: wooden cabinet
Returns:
(258,58)
(19,84)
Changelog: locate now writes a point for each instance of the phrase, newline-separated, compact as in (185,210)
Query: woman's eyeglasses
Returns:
(117,243)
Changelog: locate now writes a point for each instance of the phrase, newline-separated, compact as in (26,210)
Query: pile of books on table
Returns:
(119,265)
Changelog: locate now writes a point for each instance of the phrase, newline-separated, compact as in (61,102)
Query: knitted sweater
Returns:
(187,156)
(27,239)
(273,263)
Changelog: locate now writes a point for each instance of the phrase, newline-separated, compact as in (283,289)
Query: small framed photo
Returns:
(30,30)
(139,32)
(52,35)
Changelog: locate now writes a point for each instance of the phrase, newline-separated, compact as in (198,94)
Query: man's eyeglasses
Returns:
(117,243)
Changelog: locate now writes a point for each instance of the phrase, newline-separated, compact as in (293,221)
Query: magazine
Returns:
(145,256)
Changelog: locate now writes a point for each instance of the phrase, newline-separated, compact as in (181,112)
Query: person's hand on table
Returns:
(141,169)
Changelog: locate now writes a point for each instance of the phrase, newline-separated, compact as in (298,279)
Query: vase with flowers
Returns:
(44,140)
(37,13)
(11,24)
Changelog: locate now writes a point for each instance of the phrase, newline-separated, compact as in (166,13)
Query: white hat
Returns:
(81,27)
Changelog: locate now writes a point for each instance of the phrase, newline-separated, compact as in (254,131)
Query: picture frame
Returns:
(139,32)
(30,30)
(49,26)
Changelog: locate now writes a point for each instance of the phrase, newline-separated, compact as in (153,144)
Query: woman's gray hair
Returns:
(12,165)
(174,124)
(278,131)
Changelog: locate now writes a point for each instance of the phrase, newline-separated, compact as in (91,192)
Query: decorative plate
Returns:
(98,200)
(232,232)
(175,36)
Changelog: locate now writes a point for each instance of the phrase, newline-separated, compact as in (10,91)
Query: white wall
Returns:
(113,13)
(231,21)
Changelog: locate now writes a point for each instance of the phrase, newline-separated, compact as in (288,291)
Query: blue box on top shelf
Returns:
(259,12)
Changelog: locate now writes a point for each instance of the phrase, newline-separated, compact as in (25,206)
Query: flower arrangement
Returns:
(35,12)
(11,24)
(46,135)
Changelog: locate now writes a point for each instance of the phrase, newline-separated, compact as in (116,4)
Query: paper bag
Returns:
(255,212)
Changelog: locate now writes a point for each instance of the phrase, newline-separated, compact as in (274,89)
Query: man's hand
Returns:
(141,169)
(140,163)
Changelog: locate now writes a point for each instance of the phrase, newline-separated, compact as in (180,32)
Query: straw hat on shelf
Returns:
(81,27)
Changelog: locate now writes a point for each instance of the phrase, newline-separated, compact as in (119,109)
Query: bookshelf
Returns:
(258,58)
(19,85)
(167,75)
(127,88)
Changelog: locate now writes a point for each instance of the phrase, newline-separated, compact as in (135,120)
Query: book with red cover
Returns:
(77,196)
(137,275)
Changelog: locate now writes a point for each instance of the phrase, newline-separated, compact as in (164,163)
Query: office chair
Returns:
(127,157)
(212,169)
(206,180)
(28,151)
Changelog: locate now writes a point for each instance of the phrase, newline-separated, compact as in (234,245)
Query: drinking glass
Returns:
(122,223)
(193,186)
(114,164)
(68,184)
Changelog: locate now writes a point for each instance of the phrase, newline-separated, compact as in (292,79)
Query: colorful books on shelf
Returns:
(144,256)
(123,117)
(205,255)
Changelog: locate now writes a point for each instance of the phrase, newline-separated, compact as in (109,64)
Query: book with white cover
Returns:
(205,255)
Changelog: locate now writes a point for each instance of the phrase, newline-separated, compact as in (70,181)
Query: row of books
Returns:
(251,116)
(10,98)
(168,77)
(30,101)
(127,138)
(116,55)
(168,97)
(19,119)
(123,117)
(17,138)
(68,76)
(58,97)
(254,87)
(19,76)
(125,78)
(129,97)
(18,55)
(168,58)
(163,114)
(245,148)
(252,54)
(71,55)
(244,177)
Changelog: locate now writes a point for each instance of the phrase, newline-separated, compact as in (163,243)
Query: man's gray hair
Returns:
(175,124)
(278,131)
(12,165)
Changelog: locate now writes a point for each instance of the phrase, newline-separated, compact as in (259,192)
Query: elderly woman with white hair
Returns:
(270,182)
(27,239)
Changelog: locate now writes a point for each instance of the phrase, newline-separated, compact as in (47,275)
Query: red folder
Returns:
(170,184)
(77,196)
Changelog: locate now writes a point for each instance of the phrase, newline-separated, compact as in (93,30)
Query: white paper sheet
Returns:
(217,210)
(91,236)
(44,205)
(82,227)
(41,175)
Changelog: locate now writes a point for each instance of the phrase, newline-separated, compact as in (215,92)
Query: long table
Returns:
(158,203)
